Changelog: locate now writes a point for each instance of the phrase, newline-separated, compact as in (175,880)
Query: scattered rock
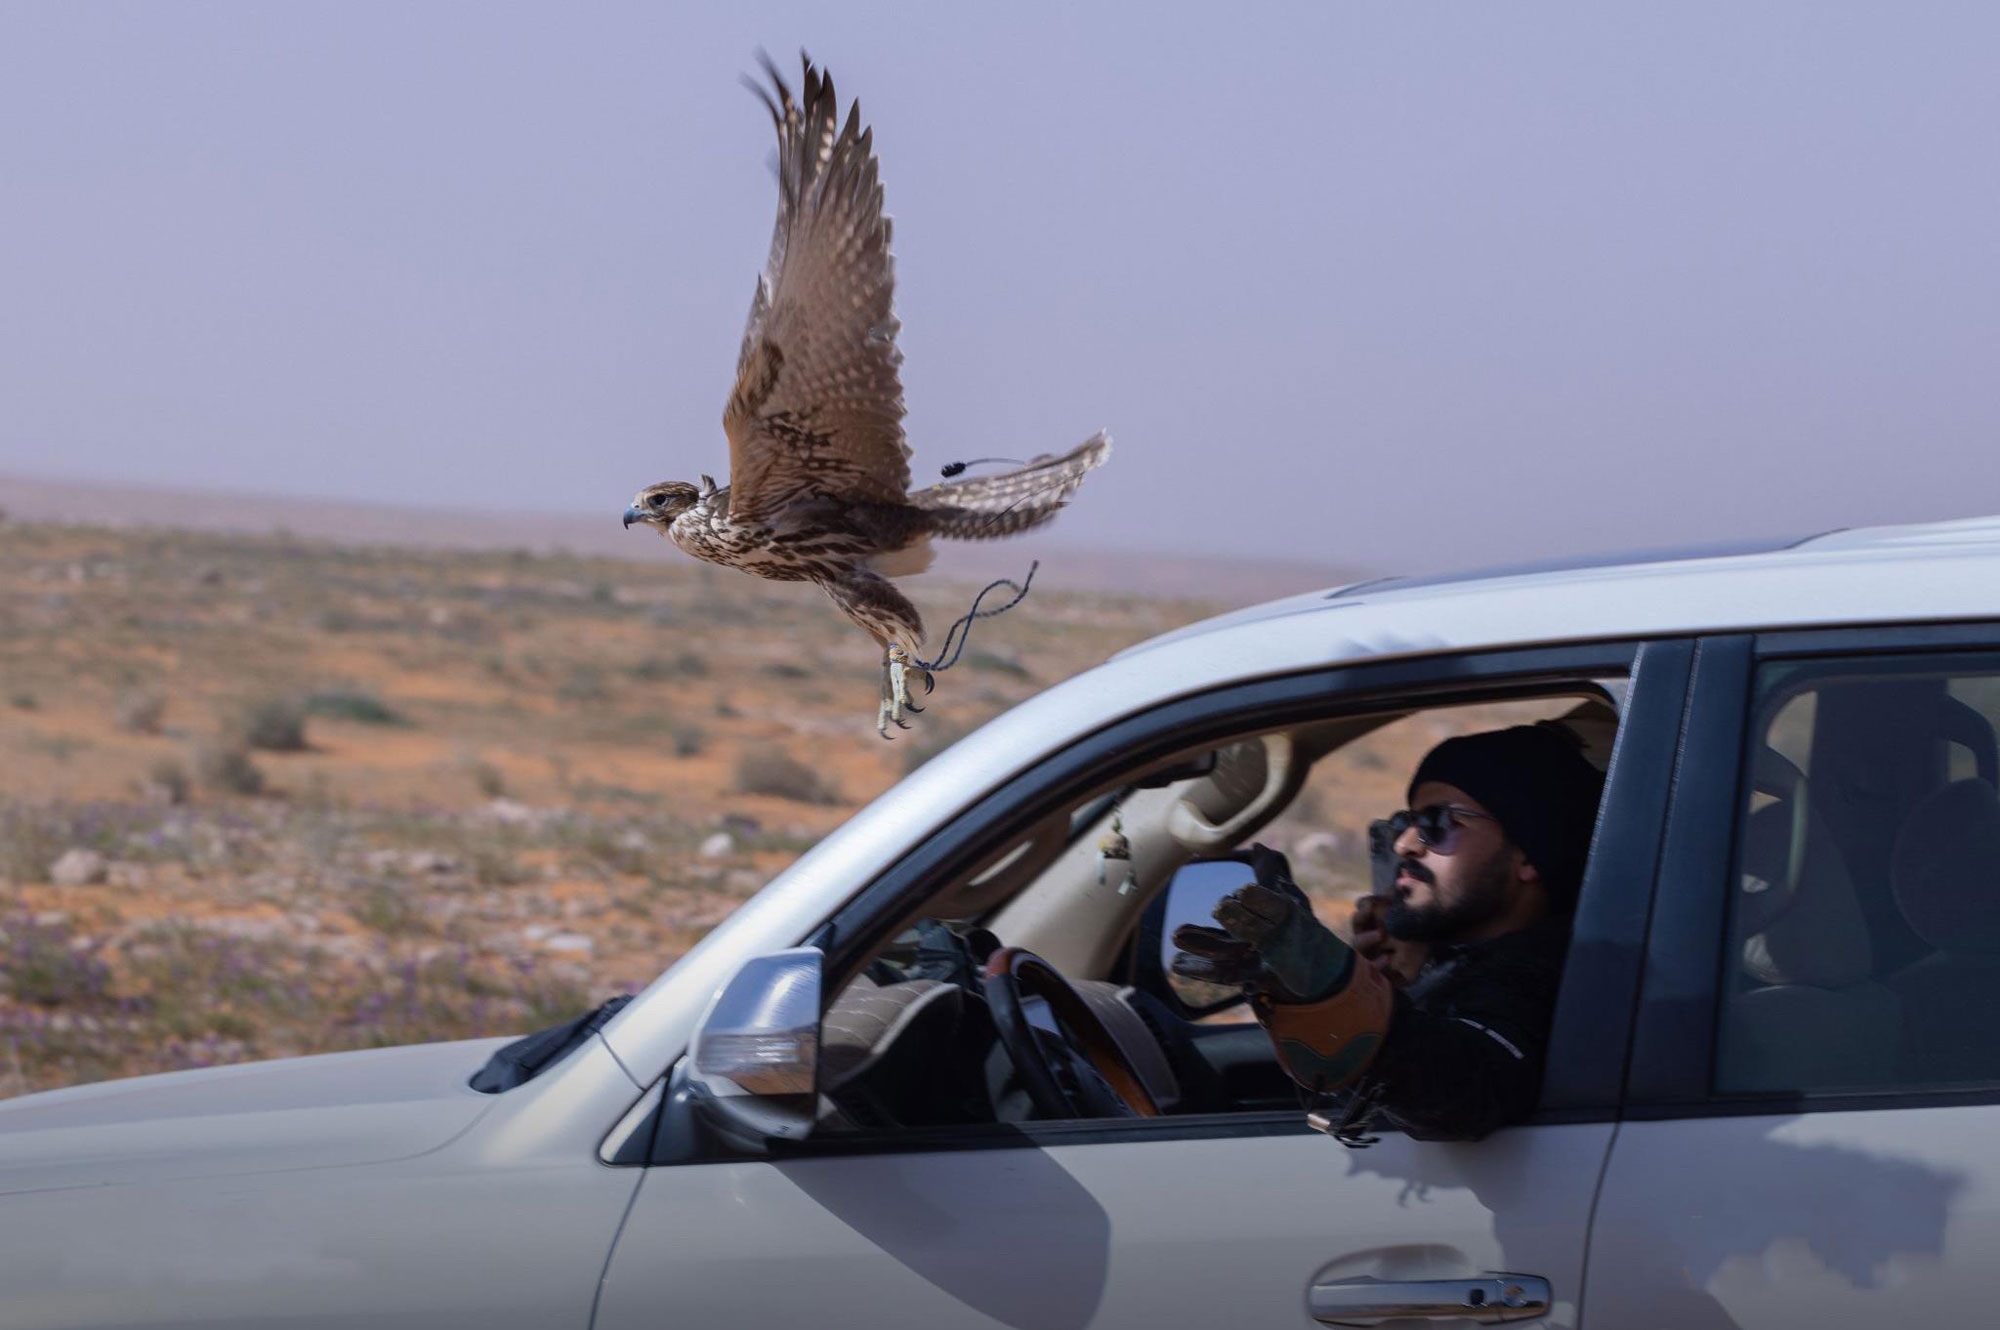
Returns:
(742,824)
(511,813)
(250,928)
(719,846)
(573,944)
(129,875)
(78,868)
(634,840)
(167,787)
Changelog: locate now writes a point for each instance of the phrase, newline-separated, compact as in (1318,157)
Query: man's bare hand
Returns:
(1401,961)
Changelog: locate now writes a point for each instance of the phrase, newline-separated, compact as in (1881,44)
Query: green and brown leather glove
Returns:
(1325,1014)
(1269,941)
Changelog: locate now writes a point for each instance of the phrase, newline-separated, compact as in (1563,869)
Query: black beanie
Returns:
(1537,782)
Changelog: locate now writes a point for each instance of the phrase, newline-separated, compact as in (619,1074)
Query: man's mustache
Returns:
(1421,872)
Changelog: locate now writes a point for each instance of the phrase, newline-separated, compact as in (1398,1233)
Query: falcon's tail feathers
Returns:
(988,507)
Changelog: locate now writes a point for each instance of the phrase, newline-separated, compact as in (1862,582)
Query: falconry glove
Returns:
(1326,1014)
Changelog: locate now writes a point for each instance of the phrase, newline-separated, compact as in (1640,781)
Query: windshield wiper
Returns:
(529,1056)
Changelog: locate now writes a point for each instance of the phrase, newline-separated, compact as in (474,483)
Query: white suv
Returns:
(1772,1076)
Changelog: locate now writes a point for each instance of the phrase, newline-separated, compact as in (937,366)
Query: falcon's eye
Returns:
(656,501)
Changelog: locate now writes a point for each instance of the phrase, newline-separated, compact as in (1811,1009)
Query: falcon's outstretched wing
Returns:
(987,507)
(818,407)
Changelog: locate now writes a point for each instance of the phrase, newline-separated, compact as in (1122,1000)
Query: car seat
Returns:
(1812,1015)
(1946,876)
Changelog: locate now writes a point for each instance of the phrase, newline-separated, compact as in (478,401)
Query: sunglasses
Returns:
(1437,827)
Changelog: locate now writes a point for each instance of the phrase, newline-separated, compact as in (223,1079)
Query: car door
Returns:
(1227,1219)
(1815,1083)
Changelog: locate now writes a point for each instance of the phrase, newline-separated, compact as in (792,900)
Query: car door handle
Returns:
(1488,1300)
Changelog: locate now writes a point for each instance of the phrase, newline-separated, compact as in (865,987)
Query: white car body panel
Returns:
(313,1112)
(503,1225)
(1839,1221)
(1126,1236)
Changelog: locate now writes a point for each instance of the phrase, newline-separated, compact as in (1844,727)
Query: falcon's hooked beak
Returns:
(632,514)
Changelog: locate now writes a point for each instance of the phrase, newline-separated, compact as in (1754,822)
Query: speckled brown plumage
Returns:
(819,469)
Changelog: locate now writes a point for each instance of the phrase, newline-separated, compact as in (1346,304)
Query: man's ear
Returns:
(1525,871)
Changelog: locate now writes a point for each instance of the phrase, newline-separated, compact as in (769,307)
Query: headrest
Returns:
(1946,868)
(1801,921)
(864,1022)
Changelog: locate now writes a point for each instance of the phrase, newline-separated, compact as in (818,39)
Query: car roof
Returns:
(1724,585)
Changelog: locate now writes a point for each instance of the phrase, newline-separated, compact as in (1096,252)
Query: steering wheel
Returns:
(1014,974)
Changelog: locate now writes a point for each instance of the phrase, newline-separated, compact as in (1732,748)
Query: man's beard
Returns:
(1483,898)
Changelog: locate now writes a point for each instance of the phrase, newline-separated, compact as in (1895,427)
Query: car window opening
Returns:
(911,1041)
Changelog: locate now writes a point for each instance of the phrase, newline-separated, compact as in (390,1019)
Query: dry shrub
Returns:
(140,711)
(30,839)
(274,724)
(359,705)
(655,669)
(226,768)
(167,781)
(584,684)
(771,770)
(43,965)
(488,779)
(384,909)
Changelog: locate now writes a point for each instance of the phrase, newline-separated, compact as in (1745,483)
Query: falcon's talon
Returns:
(896,702)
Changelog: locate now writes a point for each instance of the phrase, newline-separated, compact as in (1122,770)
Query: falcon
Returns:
(819,470)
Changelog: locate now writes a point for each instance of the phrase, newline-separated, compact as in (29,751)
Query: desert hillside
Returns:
(263,795)
(1182,565)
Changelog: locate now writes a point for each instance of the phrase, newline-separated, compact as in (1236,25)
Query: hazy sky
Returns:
(1402,285)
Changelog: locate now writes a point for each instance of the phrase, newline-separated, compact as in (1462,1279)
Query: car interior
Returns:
(1865,946)
(1035,987)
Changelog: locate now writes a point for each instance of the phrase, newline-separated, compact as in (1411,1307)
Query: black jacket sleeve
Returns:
(1469,1057)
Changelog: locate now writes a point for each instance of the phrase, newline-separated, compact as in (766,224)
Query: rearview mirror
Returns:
(755,1068)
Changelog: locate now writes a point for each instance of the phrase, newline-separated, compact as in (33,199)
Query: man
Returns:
(1489,857)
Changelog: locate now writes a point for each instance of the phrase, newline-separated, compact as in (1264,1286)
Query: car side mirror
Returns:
(754,1072)
(1190,898)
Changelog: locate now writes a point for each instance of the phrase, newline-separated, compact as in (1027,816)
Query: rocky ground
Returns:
(262,796)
